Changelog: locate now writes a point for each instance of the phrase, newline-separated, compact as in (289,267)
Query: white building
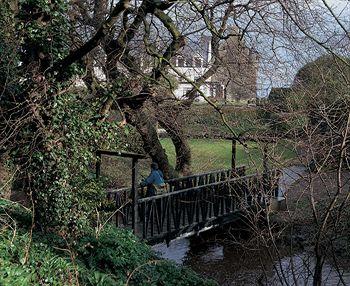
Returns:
(235,79)
(193,62)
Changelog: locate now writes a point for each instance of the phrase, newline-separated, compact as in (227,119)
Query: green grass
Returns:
(208,154)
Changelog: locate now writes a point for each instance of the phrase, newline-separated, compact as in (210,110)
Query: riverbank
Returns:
(108,257)
(233,261)
(308,200)
(238,255)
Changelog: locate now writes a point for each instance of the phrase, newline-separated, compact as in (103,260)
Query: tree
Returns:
(130,54)
(41,115)
(49,128)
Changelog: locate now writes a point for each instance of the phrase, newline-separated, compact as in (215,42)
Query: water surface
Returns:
(231,264)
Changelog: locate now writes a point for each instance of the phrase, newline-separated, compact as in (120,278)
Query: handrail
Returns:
(112,191)
(256,175)
(202,174)
(179,179)
(195,207)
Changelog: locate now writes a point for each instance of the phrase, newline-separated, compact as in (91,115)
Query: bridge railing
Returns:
(172,214)
(122,197)
(204,178)
(190,209)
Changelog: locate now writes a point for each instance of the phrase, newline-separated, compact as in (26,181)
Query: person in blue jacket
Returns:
(154,182)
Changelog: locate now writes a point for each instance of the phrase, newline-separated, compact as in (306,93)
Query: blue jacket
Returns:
(155,178)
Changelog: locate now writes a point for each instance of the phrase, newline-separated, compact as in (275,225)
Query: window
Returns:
(185,90)
(197,62)
(180,62)
(217,90)
(188,62)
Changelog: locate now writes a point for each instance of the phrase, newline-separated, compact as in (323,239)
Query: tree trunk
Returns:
(5,177)
(146,127)
(317,280)
(182,148)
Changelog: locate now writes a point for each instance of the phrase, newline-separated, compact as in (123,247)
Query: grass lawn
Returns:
(209,154)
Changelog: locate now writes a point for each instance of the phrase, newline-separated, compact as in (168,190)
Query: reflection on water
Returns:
(297,270)
(176,250)
(289,176)
(232,265)
(214,253)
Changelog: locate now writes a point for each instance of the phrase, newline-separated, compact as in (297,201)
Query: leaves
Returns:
(111,259)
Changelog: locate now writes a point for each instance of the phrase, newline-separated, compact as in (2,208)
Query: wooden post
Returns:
(266,171)
(265,159)
(134,193)
(233,158)
(98,164)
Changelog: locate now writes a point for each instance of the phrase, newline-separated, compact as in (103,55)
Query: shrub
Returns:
(112,258)
(120,254)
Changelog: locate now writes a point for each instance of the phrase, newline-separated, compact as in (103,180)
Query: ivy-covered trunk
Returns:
(37,38)
(48,129)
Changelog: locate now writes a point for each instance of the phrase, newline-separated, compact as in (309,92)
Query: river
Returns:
(217,257)
(231,264)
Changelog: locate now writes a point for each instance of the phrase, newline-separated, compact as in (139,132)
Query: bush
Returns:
(26,263)
(202,121)
(120,254)
(112,258)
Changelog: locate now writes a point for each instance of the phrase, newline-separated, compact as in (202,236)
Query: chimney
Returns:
(209,51)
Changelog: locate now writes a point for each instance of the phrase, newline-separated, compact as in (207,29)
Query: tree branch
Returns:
(94,41)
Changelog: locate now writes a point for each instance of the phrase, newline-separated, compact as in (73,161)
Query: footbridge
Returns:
(194,203)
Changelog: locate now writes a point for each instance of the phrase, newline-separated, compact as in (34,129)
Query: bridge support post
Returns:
(233,154)
(266,170)
(134,193)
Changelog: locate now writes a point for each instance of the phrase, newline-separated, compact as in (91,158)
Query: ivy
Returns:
(51,133)
(110,259)
(68,192)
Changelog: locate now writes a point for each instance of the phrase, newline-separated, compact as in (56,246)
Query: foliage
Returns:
(276,113)
(324,79)
(8,59)
(318,94)
(43,266)
(120,254)
(109,259)
(71,195)
(43,28)
(40,28)
(202,121)
(26,262)
(323,89)
(52,129)
(114,251)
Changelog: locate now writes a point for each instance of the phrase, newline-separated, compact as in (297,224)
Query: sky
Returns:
(337,4)
(282,57)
